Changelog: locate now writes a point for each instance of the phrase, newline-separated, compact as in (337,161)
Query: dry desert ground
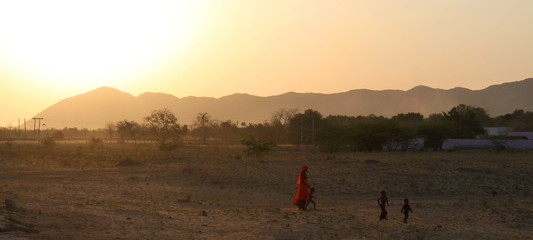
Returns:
(78,192)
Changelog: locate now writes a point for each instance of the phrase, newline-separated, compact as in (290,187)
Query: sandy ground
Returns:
(453,196)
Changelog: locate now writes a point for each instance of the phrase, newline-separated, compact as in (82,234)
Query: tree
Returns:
(408,125)
(128,129)
(257,146)
(435,133)
(163,124)
(57,135)
(340,120)
(110,127)
(279,124)
(519,120)
(410,117)
(283,116)
(467,120)
(372,136)
(371,118)
(435,118)
(303,126)
(226,131)
(202,124)
(332,137)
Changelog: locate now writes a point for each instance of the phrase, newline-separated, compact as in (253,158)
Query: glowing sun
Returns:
(69,43)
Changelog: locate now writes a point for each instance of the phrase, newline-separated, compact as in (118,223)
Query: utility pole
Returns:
(44,128)
(313,130)
(24,130)
(302,131)
(39,119)
(203,119)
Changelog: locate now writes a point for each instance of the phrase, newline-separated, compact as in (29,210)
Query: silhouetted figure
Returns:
(302,196)
(311,199)
(406,209)
(382,201)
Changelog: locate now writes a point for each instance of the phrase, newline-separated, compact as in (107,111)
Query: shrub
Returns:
(168,146)
(48,141)
(499,144)
(96,142)
(257,146)
(57,135)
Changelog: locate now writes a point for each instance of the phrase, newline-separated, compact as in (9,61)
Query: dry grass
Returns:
(87,156)
(74,192)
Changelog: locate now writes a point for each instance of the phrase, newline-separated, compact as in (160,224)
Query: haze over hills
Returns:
(103,105)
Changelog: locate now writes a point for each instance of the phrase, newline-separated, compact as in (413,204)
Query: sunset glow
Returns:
(82,44)
(51,50)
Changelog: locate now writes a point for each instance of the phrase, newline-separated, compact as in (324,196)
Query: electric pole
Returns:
(302,130)
(313,119)
(39,119)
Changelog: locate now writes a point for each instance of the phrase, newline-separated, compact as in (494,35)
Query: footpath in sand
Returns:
(453,196)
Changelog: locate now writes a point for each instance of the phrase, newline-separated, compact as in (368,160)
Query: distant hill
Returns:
(96,108)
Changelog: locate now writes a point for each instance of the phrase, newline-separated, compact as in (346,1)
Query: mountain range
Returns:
(98,107)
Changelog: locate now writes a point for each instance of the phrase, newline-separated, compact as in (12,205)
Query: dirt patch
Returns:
(129,163)
(197,196)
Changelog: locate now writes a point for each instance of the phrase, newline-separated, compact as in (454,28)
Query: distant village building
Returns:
(519,140)
(498,137)
(451,144)
(496,131)
(416,144)
(528,135)
(523,143)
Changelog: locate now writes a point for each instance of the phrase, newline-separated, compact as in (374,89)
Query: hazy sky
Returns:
(53,49)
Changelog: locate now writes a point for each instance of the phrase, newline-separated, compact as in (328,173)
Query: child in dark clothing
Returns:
(406,209)
(311,199)
(383,201)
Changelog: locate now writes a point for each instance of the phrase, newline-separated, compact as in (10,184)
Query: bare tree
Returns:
(128,129)
(202,122)
(283,116)
(110,127)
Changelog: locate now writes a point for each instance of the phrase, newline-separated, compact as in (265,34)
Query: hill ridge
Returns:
(97,107)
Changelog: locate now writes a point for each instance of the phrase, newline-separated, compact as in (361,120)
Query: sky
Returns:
(54,49)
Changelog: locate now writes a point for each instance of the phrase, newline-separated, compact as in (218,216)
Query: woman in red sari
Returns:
(303,189)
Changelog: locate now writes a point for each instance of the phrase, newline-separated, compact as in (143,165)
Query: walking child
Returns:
(406,209)
(382,201)
(311,199)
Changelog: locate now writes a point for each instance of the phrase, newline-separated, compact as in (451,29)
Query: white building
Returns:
(528,135)
(496,131)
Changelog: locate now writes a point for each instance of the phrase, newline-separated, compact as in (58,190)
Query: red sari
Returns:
(303,187)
